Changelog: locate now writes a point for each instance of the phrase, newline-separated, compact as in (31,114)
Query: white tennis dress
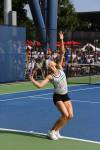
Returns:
(60,83)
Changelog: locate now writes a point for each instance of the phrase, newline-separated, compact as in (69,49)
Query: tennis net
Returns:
(83,73)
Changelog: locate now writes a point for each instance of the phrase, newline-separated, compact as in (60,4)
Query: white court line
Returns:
(78,90)
(45,135)
(91,102)
(39,95)
(38,90)
(83,89)
(26,91)
(11,99)
(95,102)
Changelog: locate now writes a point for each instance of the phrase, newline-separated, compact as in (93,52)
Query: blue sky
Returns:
(81,6)
(86,5)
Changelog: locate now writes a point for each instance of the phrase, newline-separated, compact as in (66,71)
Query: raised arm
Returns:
(62,52)
(42,83)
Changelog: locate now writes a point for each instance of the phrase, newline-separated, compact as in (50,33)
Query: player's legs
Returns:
(69,107)
(66,110)
(66,113)
(60,122)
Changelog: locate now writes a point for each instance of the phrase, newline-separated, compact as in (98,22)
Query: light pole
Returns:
(96,43)
(7,9)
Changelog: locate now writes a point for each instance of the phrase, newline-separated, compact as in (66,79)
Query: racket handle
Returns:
(30,71)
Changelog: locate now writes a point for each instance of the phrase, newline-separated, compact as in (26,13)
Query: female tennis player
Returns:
(60,97)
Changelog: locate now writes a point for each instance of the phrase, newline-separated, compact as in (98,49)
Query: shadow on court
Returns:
(30,134)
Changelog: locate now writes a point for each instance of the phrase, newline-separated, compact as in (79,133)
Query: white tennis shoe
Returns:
(52,135)
(58,135)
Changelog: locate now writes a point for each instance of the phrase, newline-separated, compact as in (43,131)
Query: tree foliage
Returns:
(22,19)
(1,12)
(67,18)
(18,5)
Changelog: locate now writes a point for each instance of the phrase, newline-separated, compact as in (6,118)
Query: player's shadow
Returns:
(30,134)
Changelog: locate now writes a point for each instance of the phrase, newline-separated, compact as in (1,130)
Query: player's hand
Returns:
(61,35)
(30,77)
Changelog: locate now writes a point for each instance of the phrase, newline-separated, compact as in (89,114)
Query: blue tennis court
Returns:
(35,111)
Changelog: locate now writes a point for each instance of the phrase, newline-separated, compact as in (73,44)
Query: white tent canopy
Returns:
(92,46)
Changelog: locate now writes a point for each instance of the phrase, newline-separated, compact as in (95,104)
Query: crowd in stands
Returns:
(37,60)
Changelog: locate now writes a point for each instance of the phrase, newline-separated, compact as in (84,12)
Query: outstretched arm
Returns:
(62,53)
(42,83)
